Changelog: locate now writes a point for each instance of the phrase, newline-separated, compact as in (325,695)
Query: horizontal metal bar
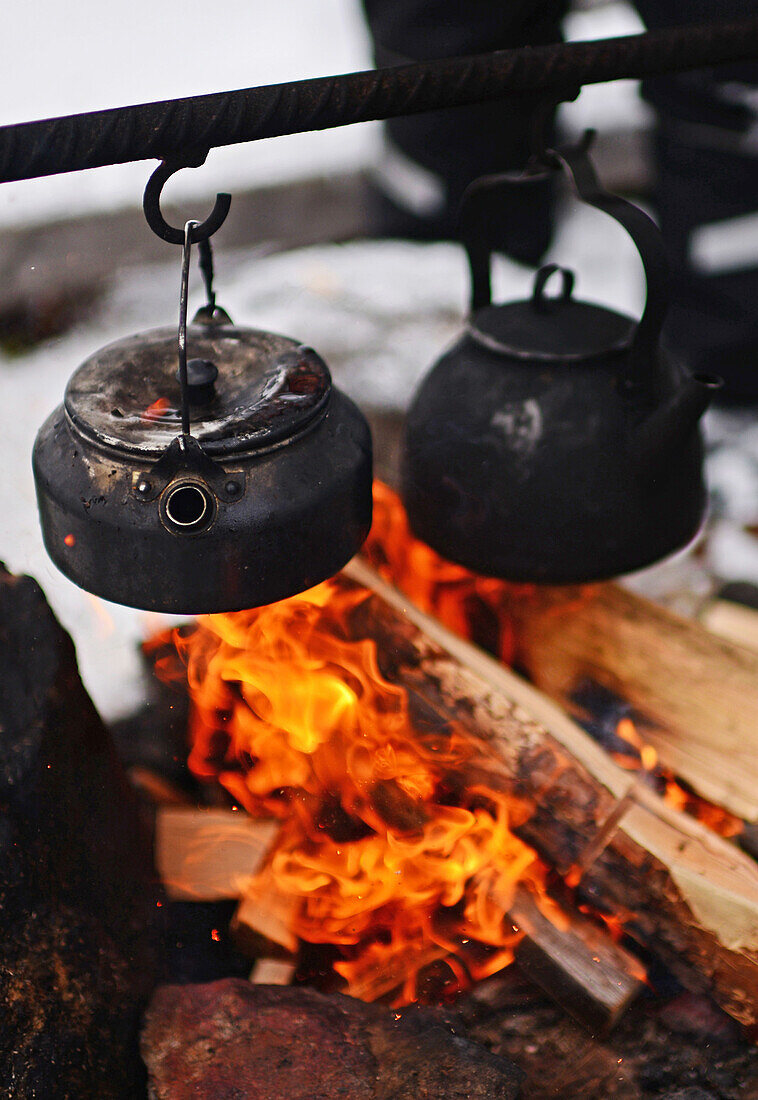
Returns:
(175,128)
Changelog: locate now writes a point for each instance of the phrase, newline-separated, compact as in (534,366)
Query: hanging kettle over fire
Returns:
(556,442)
(265,493)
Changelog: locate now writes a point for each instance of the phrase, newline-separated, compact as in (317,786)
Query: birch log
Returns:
(694,694)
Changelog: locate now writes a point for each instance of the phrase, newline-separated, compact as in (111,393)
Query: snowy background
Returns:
(379,312)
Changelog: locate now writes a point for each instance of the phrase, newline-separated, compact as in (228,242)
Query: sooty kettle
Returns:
(556,441)
(267,494)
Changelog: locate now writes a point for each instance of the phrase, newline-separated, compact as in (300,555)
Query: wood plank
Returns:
(272,972)
(733,621)
(579,966)
(265,911)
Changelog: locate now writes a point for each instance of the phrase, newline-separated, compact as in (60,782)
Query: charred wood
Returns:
(691,898)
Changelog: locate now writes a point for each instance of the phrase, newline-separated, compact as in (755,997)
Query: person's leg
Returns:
(706,149)
(430,159)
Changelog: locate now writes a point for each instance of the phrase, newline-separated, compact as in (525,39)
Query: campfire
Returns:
(396,842)
(489,611)
(381,808)
(420,812)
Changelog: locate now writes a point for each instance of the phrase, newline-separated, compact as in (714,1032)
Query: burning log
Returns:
(415,778)
(695,695)
(692,898)
(574,961)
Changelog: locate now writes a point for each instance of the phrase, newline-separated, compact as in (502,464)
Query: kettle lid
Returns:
(551,329)
(267,389)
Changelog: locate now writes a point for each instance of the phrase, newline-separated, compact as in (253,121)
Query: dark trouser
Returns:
(461,143)
(706,162)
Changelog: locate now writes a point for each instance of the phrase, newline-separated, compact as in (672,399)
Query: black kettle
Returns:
(269,494)
(556,442)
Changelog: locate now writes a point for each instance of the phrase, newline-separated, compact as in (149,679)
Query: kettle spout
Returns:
(670,426)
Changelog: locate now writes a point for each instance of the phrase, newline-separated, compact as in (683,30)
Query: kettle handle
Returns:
(576,164)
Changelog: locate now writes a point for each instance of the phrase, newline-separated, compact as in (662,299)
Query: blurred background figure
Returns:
(705,157)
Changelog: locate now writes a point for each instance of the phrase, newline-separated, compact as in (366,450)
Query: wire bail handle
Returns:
(194,232)
(182,333)
(574,163)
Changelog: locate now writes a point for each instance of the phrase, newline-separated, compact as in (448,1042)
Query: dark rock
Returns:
(231,1039)
(75,873)
(65,1029)
(693,1093)
(697,1016)
(657,1050)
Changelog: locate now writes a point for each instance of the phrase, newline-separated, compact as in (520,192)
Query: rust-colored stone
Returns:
(231,1040)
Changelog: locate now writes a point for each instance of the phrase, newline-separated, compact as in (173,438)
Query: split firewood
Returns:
(733,621)
(272,972)
(579,966)
(694,695)
(691,897)
(577,963)
(209,855)
(265,912)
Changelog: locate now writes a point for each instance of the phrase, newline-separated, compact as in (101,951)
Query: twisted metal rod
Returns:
(186,127)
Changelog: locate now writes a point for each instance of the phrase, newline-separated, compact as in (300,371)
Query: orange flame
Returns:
(389,852)
(396,845)
(473,606)
(644,756)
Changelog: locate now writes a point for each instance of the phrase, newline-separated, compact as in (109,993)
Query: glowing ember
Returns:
(671,790)
(641,755)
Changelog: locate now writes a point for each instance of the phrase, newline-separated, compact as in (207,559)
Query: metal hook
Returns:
(151,204)
(542,120)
